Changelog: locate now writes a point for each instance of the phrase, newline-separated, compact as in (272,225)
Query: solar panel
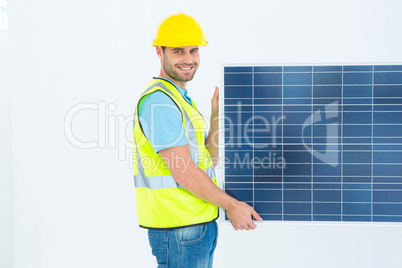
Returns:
(315,143)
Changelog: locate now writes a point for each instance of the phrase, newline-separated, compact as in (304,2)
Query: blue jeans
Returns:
(188,247)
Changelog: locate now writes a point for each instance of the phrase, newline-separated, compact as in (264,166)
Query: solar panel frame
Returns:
(257,80)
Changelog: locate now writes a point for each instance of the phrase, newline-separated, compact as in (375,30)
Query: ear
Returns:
(159,52)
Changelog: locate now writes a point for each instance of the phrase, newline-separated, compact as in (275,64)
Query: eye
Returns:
(177,51)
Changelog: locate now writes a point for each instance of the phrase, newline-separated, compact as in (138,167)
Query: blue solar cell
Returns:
(268,178)
(387,209)
(388,118)
(229,178)
(296,108)
(357,101)
(326,208)
(357,78)
(357,108)
(387,196)
(297,157)
(357,208)
(357,118)
(297,208)
(356,218)
(387,78)
(396,100)
(325,170)
(388,91)
(242,195)
(297,91)
(243,79)
(315,143)
(327,186)
(266,101)
(354,68)
(387,219)
(296,217)
(266,79)
(327,78)
(357,130)
(362,186)
(387,108)
(267,92)
(269,69)
(268,208)
(327,196)
(297,169)
(297,195)
(296,101)
(317,101)
(267,195)
(297,69)
(356,91)
(326,218)
(356,196)
(356,157)
(237,169)
(297,186)
(387,157)
(238,102)
(358,147)
(296,79)
(356,179)
(236,69)
(389,68)
(268,185)
(387,130)
(238,92)
(327,91)
(327,68)
(387,170)
(237,185)
(356,169)
(235,108)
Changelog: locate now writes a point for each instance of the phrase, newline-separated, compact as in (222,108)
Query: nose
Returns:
(187,58)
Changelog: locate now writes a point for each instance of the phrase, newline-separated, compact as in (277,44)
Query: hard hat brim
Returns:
(157,43)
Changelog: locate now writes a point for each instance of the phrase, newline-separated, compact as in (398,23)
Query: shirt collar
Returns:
(183,92)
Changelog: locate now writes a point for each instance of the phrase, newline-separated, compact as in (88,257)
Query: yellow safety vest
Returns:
(161,202)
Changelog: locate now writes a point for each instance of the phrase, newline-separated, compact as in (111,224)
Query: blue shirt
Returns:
(161,119)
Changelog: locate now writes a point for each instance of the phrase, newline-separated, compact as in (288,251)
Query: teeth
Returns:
(185,69)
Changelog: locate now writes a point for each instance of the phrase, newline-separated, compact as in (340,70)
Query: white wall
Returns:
(6,189)
(75,207)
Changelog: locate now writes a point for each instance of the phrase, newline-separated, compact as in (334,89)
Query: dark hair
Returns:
(163,48)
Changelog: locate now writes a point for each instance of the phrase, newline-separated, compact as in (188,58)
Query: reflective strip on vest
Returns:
(167,181)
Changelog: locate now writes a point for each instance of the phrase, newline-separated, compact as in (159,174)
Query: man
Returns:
(176,189)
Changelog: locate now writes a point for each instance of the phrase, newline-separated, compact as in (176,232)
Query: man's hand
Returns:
(240,215)
(215,102)
(212,141)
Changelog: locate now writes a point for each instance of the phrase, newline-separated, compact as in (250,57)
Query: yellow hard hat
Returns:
(179,30)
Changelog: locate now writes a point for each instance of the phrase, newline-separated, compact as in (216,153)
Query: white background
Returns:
(75,207)
(6,189)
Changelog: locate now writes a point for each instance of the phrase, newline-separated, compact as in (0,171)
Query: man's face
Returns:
(180,63)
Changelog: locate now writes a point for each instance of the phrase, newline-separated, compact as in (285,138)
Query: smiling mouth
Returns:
(186,68)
